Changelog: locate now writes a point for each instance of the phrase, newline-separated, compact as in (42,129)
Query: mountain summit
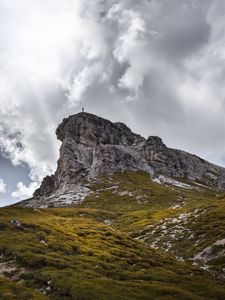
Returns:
(93,146)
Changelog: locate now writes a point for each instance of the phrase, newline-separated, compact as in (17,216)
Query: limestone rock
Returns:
(92,146)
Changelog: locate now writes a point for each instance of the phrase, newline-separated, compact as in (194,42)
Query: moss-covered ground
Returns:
(93,251)
(181,221)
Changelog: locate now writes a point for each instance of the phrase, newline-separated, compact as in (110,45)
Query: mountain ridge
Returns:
(92,146)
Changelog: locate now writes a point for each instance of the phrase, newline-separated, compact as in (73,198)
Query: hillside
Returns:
(73,253)
(123,217)
(186,219)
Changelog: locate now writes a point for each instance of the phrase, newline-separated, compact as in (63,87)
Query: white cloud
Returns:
(23,191)
(81,82)
(2,186)
(131,46)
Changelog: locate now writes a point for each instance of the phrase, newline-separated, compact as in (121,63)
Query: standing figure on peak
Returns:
(82,109)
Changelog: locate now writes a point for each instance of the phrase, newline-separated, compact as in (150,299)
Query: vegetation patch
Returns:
(102,249)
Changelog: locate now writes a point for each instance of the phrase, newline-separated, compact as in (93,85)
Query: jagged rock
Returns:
(92,145)
(46,187)
(90,130)
(177,163)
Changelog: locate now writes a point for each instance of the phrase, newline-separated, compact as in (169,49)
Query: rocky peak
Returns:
(155,141)
(92,145)
(90,130)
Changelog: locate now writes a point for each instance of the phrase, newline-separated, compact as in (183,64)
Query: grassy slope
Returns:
(72,254)
(188,221)
(11,291)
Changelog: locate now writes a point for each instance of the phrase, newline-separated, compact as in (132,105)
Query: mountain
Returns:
(92,146)
(123,217)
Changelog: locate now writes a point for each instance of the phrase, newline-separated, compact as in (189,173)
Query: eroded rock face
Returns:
(177,163)
(90,130)
(92,145)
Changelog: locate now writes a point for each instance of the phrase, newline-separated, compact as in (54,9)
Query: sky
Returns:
(156,65)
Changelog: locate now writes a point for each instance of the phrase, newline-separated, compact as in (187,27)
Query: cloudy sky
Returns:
(157,65)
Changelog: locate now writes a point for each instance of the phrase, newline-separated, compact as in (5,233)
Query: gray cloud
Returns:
(156,65)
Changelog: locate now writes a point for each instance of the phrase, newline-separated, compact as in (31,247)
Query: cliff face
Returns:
(92,146)
(180,164)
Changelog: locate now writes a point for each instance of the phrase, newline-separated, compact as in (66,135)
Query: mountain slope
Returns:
(185,219)
(72,254)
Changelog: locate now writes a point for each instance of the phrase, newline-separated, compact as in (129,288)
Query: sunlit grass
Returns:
(88,252)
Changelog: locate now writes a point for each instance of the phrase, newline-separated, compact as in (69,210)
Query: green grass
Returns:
(75,253)
(84,259)
(147,205)
(12,291)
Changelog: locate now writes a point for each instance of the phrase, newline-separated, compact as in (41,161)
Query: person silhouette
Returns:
(82,109)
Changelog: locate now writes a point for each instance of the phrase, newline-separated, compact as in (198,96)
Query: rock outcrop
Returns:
(92,146)
(180,164)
